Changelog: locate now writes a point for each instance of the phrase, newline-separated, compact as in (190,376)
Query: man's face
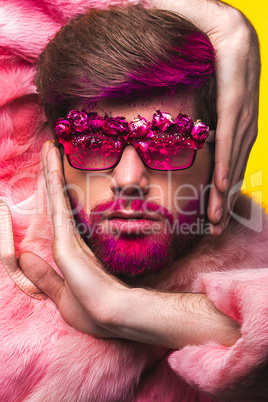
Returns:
(134,218)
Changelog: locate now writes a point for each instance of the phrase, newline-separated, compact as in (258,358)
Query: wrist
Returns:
(109,305)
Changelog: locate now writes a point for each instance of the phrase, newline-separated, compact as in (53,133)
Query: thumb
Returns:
(41,274)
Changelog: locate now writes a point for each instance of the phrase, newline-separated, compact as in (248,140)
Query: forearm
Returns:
(173,320)
(200,12)
(220,21)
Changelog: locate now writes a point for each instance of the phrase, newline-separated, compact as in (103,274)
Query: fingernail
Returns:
(225,184)
(50,145)
(218,214)
(218,230)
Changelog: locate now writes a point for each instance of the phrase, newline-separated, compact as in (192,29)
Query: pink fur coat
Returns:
(41,357)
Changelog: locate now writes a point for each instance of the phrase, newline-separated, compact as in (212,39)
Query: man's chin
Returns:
(132,255)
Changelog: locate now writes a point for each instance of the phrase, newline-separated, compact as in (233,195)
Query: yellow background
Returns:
(256,177)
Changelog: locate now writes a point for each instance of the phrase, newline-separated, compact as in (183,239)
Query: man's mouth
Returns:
(133,222)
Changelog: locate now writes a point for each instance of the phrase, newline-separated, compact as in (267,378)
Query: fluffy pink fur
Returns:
(42,357)
(242,295)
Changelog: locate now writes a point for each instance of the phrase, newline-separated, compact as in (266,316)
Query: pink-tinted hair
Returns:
(126,52)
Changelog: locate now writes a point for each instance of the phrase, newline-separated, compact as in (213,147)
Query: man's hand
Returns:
(96,303)
(85,293)
(238,72)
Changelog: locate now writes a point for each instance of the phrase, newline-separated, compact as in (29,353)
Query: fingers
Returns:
(215,209)
(224,202)
(63,222)
(223,150)
(220,180)
(236,182)
(225,134)
(70,253)
(42,275)
(65,232)
(235,136)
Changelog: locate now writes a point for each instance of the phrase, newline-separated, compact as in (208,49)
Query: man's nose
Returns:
(130,176)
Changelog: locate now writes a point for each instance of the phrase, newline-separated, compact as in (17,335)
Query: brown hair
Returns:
(126,52)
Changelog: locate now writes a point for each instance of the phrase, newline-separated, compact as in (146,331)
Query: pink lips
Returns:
(133,222)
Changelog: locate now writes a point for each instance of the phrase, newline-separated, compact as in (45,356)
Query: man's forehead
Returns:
(146,106)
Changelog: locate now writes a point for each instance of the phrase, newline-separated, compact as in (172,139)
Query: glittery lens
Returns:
(167,154)
(94,152)
(97,152)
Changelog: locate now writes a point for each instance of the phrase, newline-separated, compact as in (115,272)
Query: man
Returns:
(130,207)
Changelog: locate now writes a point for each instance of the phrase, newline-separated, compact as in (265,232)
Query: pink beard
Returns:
(132,255)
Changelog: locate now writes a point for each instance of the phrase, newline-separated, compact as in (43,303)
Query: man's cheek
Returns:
(97,187)
(186,200)
(87,188)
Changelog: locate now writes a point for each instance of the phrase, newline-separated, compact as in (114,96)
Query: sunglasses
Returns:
(91,142)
